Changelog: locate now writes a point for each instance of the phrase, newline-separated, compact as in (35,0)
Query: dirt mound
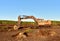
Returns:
(33,35)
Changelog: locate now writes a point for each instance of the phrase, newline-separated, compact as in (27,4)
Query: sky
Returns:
(46,9)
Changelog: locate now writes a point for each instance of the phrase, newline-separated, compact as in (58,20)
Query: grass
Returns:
(56,23)
(8,22)
(15,22)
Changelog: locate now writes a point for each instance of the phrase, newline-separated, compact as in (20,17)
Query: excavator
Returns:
(39,22)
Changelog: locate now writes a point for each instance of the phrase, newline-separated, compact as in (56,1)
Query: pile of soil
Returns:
(34,35)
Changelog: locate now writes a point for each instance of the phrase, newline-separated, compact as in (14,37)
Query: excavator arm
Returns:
(26,17)
(38,23)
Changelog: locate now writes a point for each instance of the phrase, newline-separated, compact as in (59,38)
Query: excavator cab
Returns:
(22,16)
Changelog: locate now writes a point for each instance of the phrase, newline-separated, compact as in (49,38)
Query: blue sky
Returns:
(46,9)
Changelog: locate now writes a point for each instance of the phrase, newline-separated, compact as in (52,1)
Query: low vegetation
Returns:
(56,23)
(15,22)
(5,23)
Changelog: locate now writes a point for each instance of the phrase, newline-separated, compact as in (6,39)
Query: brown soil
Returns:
(36,35)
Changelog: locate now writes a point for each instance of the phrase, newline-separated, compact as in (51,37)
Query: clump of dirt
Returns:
(20,35)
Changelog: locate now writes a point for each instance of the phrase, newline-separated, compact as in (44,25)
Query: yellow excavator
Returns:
(39,22)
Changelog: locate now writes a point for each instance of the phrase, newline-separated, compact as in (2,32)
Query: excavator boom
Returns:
(39,22)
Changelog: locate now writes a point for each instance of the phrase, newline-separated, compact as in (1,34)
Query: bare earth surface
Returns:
(34,36)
